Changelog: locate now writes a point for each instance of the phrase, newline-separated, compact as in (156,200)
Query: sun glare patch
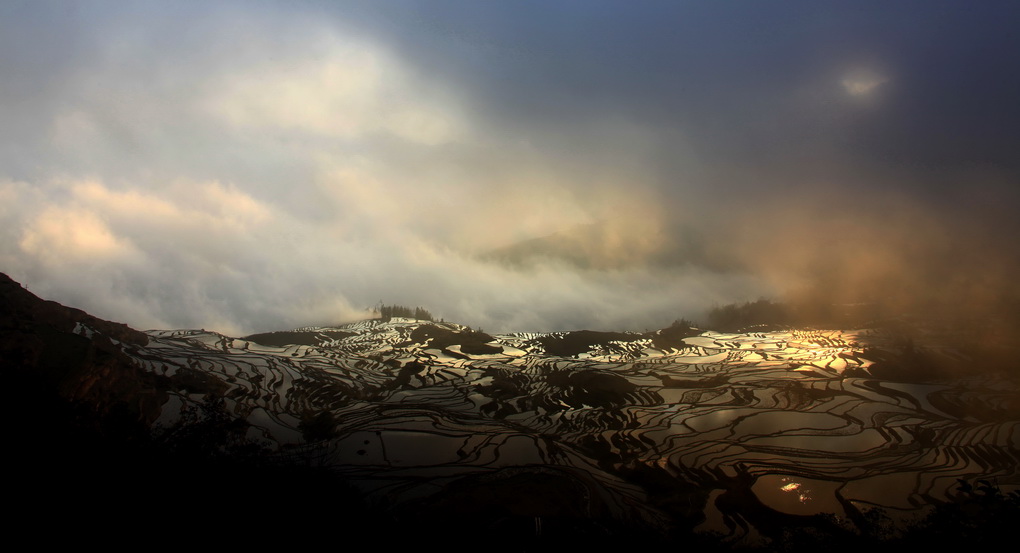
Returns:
(862,83)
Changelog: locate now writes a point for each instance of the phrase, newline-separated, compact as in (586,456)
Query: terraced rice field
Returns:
(793,421)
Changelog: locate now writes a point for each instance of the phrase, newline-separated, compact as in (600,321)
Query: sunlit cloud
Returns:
(66,235)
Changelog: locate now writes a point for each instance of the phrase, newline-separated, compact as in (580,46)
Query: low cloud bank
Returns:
(207,255)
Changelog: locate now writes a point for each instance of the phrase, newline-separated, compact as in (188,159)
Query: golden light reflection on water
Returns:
(797,495)
(803,494)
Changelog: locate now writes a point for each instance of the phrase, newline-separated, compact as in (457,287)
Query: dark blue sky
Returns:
(757,82)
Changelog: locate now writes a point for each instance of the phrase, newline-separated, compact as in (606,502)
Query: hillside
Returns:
(744,436)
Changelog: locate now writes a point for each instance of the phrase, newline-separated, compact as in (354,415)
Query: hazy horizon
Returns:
(253,167)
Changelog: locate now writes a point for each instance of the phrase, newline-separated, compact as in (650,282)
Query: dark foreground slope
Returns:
(415,432)
(86,464)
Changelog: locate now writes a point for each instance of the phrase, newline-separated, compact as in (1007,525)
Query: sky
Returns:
(255,166)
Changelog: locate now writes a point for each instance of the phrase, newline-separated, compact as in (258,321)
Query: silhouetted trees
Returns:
(387,312)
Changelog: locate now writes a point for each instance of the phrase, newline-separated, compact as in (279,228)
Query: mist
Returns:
(250,168)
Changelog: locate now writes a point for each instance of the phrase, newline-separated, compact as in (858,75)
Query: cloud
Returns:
(252,168)
(61,235)
(350,91)
(207,255)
